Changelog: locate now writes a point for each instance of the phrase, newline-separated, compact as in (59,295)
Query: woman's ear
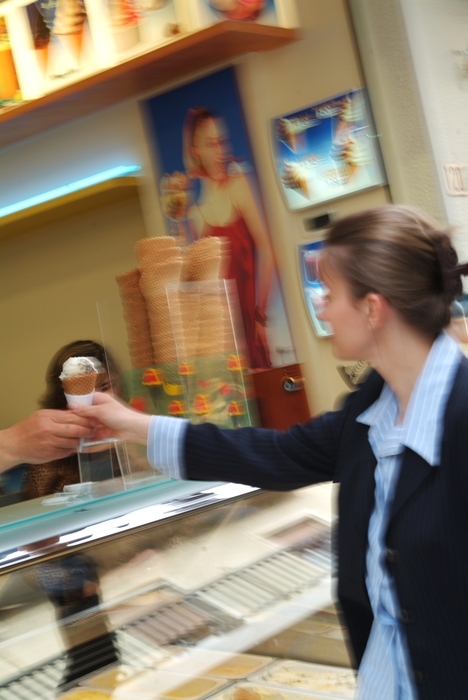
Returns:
(375,308)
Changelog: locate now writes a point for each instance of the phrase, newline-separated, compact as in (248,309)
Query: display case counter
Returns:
(174,590)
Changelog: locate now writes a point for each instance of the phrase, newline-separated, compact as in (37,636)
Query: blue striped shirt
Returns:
(385,670)
(165,445)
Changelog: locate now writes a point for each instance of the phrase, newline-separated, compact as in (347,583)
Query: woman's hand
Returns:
(114,419)
(43,436)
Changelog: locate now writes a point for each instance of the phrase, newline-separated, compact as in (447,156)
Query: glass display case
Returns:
(172,590)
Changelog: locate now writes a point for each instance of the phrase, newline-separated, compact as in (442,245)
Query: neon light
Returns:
(119,171)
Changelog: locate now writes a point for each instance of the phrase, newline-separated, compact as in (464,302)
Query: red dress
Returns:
(242,270)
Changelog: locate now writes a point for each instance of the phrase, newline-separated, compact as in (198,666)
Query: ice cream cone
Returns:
(78,379)
(153,249)
(80,384)
(42,55)
(72,43)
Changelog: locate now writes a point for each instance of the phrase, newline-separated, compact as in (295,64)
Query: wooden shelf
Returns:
(116,189)
(178,58)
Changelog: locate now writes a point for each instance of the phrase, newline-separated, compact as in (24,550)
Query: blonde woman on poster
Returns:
(226,207)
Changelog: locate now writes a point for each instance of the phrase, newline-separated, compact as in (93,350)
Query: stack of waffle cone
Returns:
(154,278)
(205,260)
(148,250)
(167,322)
(214,323)
(186,333)
(136,319)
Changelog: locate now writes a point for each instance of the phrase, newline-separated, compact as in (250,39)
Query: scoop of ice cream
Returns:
(123,14)
(69,17)
(294,176)
(151,4)
(357,152)
(78,365)
(352,110)
(175,195)
(4,38)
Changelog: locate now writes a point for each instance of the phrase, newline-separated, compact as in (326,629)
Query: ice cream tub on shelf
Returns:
(111,679)
(165,685)
(332,681)
(257,691)
(85,694)
(220,664)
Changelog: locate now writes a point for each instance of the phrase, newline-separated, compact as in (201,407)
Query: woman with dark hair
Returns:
(72,582)
(51,477)
(226,208)
(398,448)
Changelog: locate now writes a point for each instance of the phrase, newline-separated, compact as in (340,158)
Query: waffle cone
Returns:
(128,280)
(150,248)
(80,384)
(205,247)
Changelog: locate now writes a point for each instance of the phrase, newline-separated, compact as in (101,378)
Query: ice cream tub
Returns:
(85,694)
(220,664)
(111,679)
(327,680)
(257,691)
(165,685)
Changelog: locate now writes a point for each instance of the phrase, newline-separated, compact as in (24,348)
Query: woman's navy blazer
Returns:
(427,535)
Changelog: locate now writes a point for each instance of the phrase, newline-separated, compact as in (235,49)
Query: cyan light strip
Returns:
(119,171)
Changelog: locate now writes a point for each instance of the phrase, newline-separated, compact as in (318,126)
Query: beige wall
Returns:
(50,281)
(51,278)
(324,63)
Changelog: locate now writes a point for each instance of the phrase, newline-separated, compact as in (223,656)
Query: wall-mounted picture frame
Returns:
(204,158)
(327,150)
(123,29)
(53,44)
(203,13)
(59,42)
(312,287)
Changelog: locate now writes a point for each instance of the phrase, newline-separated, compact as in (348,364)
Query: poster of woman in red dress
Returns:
(226,208)
(198,129)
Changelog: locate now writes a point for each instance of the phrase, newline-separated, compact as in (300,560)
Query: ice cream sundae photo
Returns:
(351,114)
(327,150)
(70,17)
(292,131)
(125,19)
(176,197)
(241,10)
(294,177)
(58,29)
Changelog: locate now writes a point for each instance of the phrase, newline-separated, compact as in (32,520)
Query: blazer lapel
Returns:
(414,470)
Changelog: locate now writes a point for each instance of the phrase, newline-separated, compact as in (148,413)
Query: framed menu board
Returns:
(327,150)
